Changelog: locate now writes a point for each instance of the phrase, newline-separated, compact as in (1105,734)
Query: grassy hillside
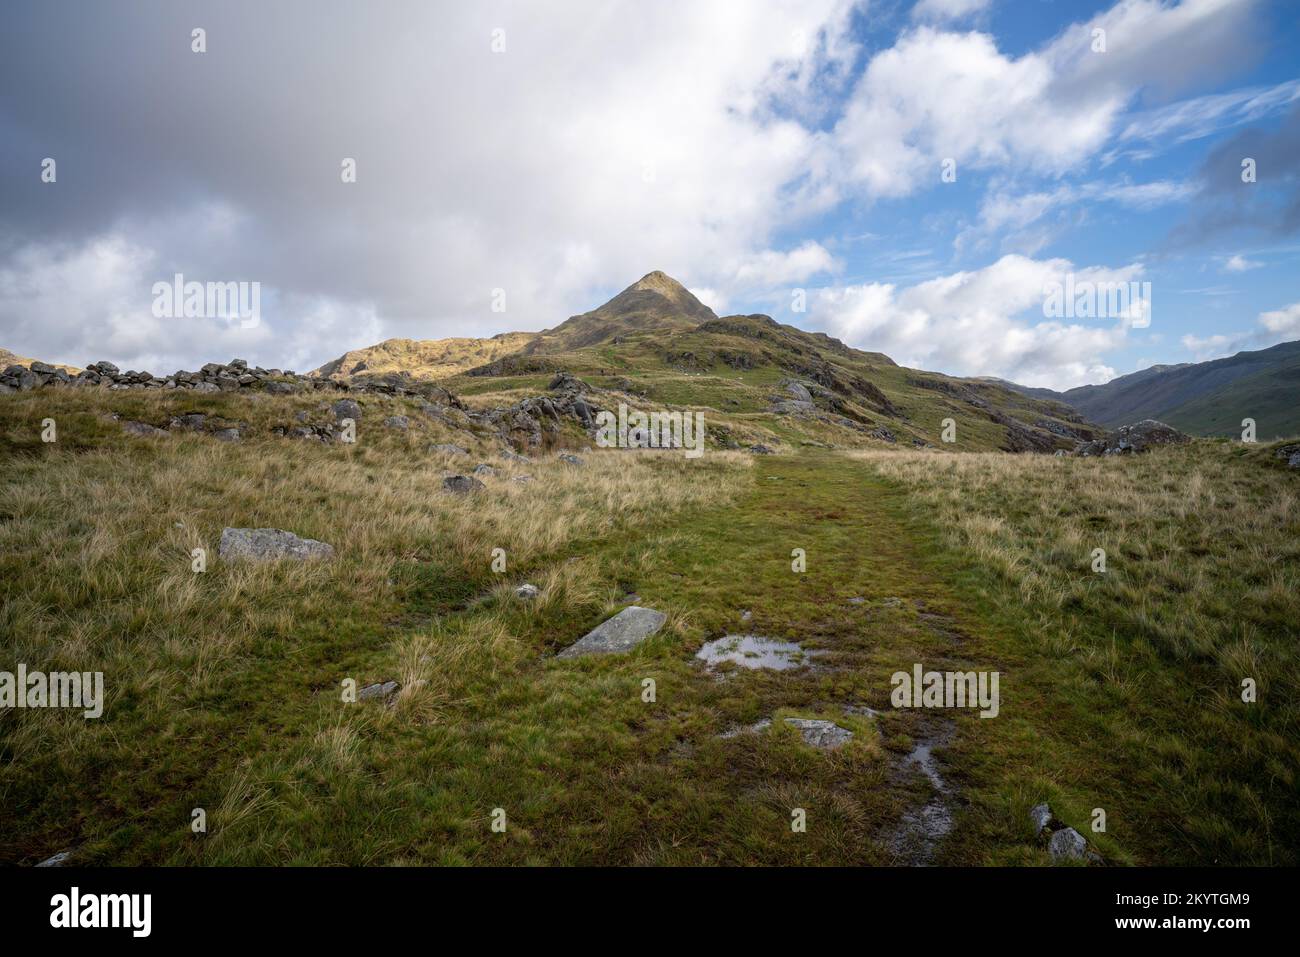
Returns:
(1204,398)
(656,344)
(223,686)
(424,358)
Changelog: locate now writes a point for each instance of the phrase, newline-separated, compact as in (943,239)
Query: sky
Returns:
(910,177)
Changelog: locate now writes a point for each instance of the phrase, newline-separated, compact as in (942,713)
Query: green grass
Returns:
(224,687)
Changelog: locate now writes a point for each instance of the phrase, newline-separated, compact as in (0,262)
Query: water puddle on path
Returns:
(754,652)
(921,829)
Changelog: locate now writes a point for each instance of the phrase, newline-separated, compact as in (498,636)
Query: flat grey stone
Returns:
(570,458)
(58,860)
(484,469)
(141,428)
(820,733)
(448,449)
(1041,815)
(400,422)
(381,690)
(226,435)
(268,544)
(623,632)
(526,592)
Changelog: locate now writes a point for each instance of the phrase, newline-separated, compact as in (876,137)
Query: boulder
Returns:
(462,484)
(1129,439)
(623,632)
(346,409)
(269,544)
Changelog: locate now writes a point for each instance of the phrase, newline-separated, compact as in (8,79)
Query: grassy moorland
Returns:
(1127,684)
(223,686)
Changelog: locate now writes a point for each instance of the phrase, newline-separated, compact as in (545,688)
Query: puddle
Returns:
(754,652)
(920,830)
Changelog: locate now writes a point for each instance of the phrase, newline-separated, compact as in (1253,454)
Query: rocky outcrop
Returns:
(1138,437)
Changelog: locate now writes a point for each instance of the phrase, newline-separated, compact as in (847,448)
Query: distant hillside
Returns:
(656,344)
(424,358)
(654,303)
(8,358)
(1202,398)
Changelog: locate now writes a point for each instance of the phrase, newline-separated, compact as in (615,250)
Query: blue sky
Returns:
(762,152)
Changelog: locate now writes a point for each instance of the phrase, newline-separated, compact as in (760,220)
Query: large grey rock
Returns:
(820,733)
(346,409)
(1067,844)
(1138,437)
(268,544)
(623,632)
(462,484)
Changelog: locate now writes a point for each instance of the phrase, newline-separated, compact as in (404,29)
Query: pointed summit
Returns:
(654,303)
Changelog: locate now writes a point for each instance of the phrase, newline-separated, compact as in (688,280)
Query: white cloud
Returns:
(1282,324)
(937,95)
(983,322)
(1272,327)
(1239,263)
(940,10)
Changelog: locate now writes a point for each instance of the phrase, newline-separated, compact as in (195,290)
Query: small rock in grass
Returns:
(820,733)
(484,469)
(141,428)
(462,484)
(385,689)
(526,592)
(268,544)
(400,422)
(448,449)
(226,435)
(1067,844)
(570,458)
(57,860)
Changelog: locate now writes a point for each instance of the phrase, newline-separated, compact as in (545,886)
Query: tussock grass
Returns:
(1137,673)
(222,687)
